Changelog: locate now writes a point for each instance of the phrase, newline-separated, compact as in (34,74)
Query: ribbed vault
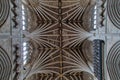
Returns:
(55,33)
(52,39)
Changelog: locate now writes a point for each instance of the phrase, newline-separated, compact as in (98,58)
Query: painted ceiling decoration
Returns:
(4,11)
(113,61)
(5,65)
(114,12)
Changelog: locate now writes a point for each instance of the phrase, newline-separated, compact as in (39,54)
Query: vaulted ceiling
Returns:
(53,39)
(57,34)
